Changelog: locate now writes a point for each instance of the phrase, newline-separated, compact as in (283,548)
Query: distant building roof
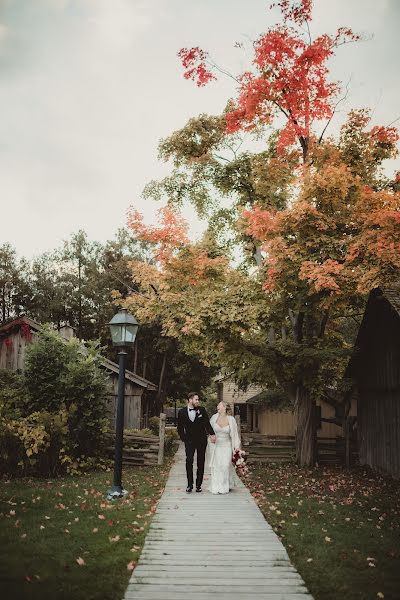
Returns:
(112,366)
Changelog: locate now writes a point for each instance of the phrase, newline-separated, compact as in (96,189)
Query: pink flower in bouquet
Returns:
(238,461)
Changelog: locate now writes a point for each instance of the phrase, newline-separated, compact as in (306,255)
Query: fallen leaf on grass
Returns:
(80,561)
(131,565)
(114,539)
(309,559)
(95,530)
(327,539)
(380,595)
(101,517)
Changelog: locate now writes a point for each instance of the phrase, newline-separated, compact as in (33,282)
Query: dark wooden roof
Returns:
(140,381)
(392,293)
(8,327)
(375,360)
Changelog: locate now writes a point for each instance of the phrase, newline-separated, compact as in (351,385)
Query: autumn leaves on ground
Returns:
(341,528)
(61,539)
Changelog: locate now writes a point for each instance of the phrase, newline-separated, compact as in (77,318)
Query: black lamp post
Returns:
(123,327)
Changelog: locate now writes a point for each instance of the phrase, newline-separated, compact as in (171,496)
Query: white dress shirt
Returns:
(192,414)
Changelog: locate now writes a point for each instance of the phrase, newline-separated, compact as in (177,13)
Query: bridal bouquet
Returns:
(238,461)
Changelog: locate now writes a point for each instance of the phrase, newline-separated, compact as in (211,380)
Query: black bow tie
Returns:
(192,409)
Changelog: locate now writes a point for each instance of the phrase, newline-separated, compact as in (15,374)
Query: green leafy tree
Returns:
(59,374)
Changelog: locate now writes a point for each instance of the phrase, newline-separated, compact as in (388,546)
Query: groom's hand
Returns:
(213,439)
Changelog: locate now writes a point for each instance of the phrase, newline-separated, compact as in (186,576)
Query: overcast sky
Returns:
(88,87)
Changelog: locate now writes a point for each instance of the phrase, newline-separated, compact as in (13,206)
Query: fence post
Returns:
(237,417)
(162,438)
(347,442)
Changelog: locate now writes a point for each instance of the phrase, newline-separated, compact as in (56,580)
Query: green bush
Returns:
(171,440)
(59,373)
(53,417)
(154,425)
(33,445)
(12,392)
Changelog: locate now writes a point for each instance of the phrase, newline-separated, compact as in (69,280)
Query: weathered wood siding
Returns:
(284,423)
(379,430)
(233,395)
(12,353)
(275,423)
(376,367)
(133,404)
(270,422)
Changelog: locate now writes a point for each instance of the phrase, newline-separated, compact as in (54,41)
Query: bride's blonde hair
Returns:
(228,407)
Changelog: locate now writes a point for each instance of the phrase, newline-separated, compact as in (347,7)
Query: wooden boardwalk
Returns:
(205,546)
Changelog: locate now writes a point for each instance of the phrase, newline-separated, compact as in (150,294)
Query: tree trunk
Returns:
(305,429)
(80,298)
(161,380)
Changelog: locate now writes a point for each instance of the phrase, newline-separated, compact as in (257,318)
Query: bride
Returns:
(223,475)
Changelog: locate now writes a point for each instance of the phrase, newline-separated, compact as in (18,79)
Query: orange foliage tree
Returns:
(323,218)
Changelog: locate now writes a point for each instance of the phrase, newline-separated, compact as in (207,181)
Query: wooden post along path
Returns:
(209,547)
(163,418)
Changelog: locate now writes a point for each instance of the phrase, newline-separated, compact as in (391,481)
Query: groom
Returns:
(193,428)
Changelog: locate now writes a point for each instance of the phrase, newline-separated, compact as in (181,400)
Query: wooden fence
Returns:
(139,449)
(263,448)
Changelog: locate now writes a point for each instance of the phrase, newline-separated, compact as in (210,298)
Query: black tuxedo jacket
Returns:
(197,430)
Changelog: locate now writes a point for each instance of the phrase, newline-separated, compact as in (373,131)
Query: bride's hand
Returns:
(213,439)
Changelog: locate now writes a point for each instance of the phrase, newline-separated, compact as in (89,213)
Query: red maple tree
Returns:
(289,77)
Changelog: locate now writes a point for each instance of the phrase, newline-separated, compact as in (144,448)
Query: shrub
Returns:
(69,374)
(171,440)
(154,425)
(32,445)
(12,392)
(53,417)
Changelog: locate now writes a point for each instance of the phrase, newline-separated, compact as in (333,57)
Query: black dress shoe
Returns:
(189,489)
(198,489)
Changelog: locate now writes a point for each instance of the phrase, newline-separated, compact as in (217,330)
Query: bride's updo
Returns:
(227,406)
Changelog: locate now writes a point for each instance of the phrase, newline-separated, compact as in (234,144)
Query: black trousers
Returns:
(199,446)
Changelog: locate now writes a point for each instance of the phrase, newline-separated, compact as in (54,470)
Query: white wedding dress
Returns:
(223,475)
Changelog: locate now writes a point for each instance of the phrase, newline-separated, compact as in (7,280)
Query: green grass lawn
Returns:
(341,527)
(61,538)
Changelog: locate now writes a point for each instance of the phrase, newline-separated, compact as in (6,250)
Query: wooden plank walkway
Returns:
(203,546)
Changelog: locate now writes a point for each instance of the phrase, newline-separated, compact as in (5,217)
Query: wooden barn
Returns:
(140,393)
(375,366)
